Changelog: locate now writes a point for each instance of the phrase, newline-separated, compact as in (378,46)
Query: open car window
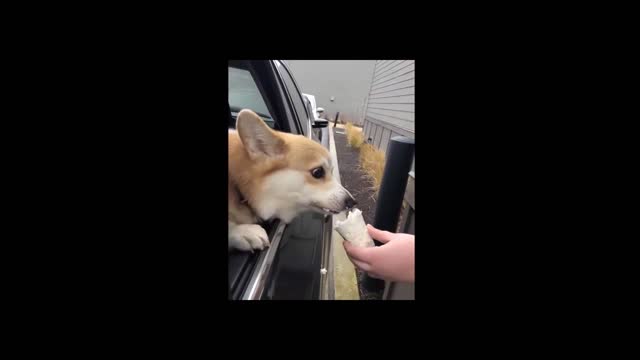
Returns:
(244,94)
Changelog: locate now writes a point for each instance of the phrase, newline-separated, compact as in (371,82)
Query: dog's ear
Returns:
(257,137)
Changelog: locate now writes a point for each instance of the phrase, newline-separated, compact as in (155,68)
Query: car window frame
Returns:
(242,65)
(304,125)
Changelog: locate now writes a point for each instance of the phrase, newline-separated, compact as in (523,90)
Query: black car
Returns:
(297,264)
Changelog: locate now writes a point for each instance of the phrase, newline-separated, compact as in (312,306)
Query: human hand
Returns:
(392,261)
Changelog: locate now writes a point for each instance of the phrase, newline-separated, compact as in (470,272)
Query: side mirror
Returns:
(320,123)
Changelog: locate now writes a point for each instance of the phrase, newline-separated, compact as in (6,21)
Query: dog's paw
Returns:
(248,237)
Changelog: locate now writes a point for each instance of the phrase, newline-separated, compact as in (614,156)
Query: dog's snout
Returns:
(350,202)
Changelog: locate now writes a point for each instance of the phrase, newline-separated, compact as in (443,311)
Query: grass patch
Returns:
(372,162)
(355,139)
(371,159)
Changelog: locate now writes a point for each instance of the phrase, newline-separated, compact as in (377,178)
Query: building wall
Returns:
(390,108)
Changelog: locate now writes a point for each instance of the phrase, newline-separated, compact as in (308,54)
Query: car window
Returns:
(296,97)
(244,94)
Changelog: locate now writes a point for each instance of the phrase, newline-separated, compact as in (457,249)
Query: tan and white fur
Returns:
(276,175)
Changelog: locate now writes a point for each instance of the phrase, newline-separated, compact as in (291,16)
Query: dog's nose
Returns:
(350,202)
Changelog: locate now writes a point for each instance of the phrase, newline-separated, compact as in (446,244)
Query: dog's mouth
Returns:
(326,210)
(331,211)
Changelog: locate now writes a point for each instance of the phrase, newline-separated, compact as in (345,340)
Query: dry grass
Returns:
(355,139)
(371,159)
(372,162)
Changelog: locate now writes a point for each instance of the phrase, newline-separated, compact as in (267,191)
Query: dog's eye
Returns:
(317,173)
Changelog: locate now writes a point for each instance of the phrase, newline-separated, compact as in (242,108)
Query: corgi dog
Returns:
(276,175)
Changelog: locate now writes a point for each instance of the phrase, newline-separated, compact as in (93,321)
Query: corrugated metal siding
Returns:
(378,138)
(392,97)
(386,135)
(390,109)
(391,127)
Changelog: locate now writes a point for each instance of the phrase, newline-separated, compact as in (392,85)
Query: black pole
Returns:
(392,187)
(336,122)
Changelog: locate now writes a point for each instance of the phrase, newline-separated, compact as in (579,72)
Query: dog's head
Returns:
(291,173)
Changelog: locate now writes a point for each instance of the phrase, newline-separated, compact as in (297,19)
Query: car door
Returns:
(300,264)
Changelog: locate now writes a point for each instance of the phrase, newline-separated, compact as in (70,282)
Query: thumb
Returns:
(380,235)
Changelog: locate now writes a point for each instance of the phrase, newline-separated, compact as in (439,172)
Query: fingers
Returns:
(382,236)
(359,257)
(361,265)
(356,252)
